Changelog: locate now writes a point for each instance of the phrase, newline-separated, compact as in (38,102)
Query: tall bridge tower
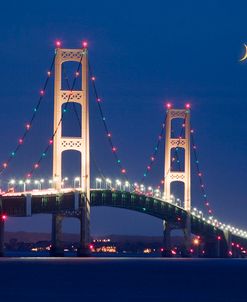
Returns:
(171,176)
(62,143)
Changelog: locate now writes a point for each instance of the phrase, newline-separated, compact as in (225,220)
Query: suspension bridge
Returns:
(217,238)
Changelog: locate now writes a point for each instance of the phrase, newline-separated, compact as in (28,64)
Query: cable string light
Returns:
(106,128)
(29,124)
(155,151)
(79,125)
(199,174)
(44,153)
(156,148)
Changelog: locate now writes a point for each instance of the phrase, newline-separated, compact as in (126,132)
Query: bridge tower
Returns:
(80,144)
(62,143)
(170,143)
(171,176)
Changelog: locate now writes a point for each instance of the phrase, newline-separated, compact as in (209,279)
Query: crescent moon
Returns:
(245,55)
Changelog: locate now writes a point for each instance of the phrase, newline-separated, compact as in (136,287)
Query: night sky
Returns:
(144,54)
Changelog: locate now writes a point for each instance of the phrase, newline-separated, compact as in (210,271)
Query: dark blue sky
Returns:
(143,54)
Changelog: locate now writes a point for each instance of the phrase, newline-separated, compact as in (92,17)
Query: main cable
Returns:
(79,124)
(28,125)
(199,174)
(156,148)
(43,155)
(106,128)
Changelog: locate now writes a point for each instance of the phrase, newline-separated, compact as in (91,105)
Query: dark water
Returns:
(123,279)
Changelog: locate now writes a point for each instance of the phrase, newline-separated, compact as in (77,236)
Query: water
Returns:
(123,279)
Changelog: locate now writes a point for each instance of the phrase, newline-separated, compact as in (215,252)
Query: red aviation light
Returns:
(168,105)
(84,44)
(58,43)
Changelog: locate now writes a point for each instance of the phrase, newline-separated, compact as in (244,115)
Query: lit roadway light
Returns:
(37,182)
(157,193)
(41,182)
(118,184)
(22,183)
(11,184)
(142,187)
(77,179)
(26,182)
(108,183)
(150,191)
(98,181)
(63,181)
(178,202)
(12,181)
(126,186)
(136,187)
(196,211)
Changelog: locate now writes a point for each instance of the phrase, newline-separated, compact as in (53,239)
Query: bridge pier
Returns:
(228,237)
(217,247)
(56,238)
(1,236)
(187,237)
(84,250)
(212,249)
(166,239)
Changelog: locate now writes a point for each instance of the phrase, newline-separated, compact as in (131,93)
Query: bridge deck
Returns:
(21,205)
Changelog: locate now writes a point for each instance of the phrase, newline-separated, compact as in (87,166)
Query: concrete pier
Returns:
(1,236)
(84,250)
(56,238)
(166,239)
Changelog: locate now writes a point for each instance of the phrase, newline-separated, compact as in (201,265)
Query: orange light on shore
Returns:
(196,241)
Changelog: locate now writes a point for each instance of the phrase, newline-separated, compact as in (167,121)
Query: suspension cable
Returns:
(106,128)
(28,125)
(44,153)
(199,174)
(79,125)
(156,148)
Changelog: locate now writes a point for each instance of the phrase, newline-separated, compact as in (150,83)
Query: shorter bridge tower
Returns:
(170,175)
(179,142)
